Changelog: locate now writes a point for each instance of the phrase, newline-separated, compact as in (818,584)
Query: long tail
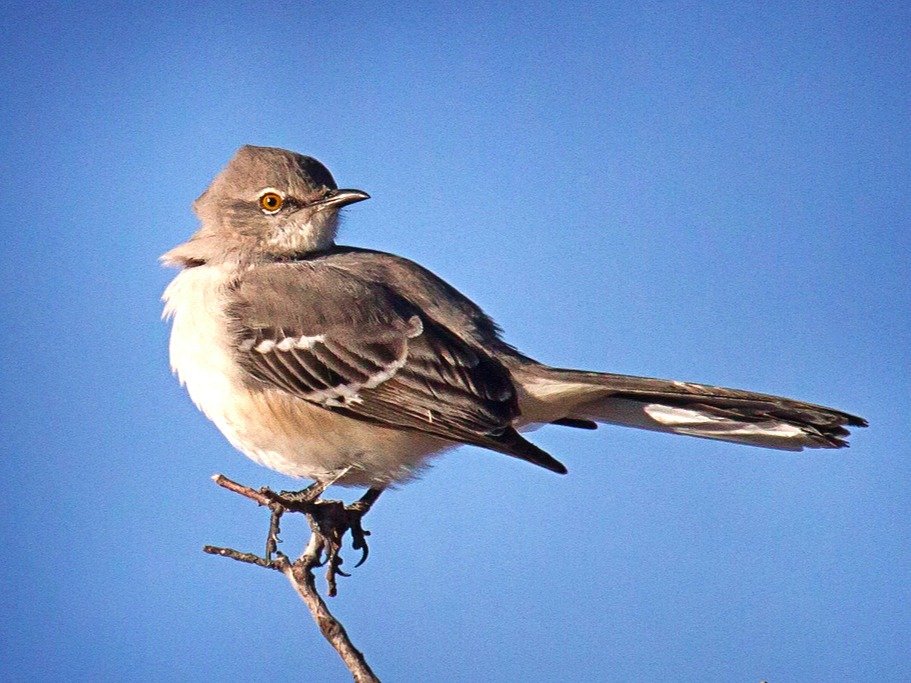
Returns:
(577,398)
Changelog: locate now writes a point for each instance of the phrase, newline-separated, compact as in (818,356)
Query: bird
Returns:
(349,366)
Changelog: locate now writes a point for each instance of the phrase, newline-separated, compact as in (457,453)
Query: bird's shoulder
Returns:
(310,295)
(437,300)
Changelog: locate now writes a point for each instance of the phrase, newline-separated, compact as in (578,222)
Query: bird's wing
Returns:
(357,347)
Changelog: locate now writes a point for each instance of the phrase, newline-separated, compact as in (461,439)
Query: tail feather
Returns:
(573,396)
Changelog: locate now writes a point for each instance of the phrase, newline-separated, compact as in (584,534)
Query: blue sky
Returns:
(716,192)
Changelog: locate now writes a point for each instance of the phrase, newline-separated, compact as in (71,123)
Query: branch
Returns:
(328,521)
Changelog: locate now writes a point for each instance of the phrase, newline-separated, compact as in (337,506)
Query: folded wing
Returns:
(358,348)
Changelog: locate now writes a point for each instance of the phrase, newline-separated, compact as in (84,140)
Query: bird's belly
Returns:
(300,439)
(271,427)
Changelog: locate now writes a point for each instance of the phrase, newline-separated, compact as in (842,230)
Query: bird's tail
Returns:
(581,399)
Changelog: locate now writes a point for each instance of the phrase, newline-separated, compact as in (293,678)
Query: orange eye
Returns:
(271,202)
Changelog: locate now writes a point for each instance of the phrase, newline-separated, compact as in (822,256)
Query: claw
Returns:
(359,542)
(365,553)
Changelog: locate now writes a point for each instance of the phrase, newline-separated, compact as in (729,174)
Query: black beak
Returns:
(336,199)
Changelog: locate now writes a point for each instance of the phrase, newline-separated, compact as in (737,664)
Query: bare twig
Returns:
(301,579)
(328,522)
(259,496)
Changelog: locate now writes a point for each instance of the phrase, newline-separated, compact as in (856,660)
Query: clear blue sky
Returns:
(716,192)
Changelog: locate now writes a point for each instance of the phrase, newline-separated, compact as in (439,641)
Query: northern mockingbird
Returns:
(351,366)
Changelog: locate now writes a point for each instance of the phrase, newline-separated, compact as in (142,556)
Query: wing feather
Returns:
(358,348)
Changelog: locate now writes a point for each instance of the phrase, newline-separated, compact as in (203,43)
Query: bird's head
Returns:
(267,202)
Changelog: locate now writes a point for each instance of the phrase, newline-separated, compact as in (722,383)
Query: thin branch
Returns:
(328,522)
(258,496)
(249,558)
(301,578)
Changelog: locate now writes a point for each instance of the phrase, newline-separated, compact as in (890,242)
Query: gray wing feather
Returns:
(358,347)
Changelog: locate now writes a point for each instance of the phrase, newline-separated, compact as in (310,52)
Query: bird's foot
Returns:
(329,521)
(279,503)
(307,495)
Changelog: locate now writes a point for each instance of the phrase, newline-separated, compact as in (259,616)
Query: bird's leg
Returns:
(272,540)
(329,520)
(299,501)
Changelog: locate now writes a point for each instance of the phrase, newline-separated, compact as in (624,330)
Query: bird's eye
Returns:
(271,202)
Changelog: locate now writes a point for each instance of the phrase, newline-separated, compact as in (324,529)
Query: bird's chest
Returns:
(200,347)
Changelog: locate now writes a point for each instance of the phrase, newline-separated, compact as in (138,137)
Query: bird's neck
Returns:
(317,234)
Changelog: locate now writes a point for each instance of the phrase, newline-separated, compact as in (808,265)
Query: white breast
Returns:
(199,348)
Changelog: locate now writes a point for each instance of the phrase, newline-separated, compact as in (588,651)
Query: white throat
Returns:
(316,234)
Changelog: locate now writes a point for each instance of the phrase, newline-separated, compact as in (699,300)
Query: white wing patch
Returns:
(415,327)
(265,346)
(341,394)
(286,344)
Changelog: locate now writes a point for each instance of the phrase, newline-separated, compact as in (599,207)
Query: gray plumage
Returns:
(340,363)
(357,347)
